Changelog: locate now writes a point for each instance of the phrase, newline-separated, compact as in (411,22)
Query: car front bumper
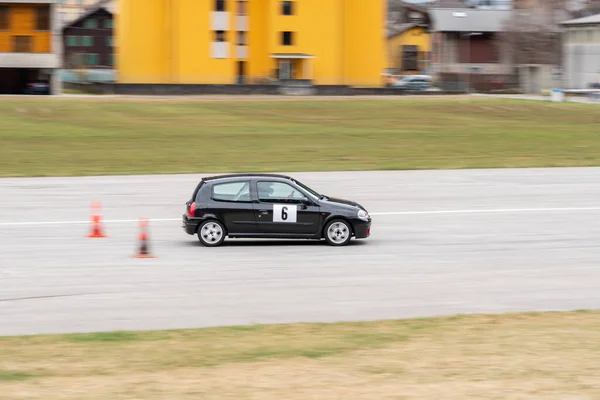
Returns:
(362,229)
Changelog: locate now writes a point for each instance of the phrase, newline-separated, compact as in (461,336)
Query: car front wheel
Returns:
(338,233)
(211,233)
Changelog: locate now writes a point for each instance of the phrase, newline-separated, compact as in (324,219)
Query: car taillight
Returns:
(192,209)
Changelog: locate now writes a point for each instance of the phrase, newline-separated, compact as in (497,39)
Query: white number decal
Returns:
(284,213)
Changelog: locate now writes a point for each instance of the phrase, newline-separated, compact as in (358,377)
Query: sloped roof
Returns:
(108,5)
(395,4)
(468,19)
(591,19)
(401,29)
(86,14)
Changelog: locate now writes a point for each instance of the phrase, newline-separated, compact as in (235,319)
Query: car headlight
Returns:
(362,214)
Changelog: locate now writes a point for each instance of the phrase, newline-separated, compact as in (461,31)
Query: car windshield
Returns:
(309,190)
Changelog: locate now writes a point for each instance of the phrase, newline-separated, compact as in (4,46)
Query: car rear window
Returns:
(232,191)
(197,191)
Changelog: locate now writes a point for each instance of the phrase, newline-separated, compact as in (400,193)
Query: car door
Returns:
(283,208)
(416,84)
(232,204)
(411,83)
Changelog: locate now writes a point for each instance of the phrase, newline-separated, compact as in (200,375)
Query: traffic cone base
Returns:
(144,251)
(96,231)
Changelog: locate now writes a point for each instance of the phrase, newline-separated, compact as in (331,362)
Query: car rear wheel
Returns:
(338,233)
(211,233)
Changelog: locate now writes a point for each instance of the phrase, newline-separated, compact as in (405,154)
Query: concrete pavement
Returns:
(443,242)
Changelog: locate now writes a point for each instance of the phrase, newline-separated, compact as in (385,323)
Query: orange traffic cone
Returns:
(144,251)
(96,231)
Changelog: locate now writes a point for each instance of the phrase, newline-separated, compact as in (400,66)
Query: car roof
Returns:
(244,175)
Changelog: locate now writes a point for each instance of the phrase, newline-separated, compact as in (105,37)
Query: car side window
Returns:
(278,192)
(233,192)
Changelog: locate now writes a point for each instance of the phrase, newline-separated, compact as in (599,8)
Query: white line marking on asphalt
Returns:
(497,210)
(424,212)
(108,221)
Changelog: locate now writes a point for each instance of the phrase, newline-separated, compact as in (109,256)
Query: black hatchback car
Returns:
(270,206)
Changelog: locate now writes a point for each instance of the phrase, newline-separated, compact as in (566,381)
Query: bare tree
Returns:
(533,34)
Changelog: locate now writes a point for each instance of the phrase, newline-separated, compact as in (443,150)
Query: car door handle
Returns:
(263,211)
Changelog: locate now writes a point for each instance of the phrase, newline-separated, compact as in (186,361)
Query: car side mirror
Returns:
(305,202)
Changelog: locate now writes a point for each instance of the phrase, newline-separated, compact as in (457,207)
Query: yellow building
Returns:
(29,46)
(409,50)
(330,42)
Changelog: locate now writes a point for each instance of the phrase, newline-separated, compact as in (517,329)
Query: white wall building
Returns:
(581,62)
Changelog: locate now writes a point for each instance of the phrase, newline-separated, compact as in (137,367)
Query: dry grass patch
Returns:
(517,356)
(98,136)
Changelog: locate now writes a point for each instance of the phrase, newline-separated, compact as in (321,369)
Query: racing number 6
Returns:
(284,213)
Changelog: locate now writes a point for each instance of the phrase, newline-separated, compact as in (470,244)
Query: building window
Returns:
(42,18)
(22,44)
(71,40)
(78,59)
(87,41)
(108,23)
(111,59)
(242,7)
(90,23)
(287,7)
(241,38)
(4,18)
(109,41)
(92,59)
(219,5)
(415,17)
(410,58)
(220,36)
(287,38)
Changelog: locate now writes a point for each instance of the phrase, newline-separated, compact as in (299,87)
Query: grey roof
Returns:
(592,19)
(468,19)
(401,29)
(399,4)
(447,4)
(83,16)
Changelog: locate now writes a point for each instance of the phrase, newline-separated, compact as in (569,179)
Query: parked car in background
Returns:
(414,82)
(38,87)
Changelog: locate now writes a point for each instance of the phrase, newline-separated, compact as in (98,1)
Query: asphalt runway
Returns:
(443,242)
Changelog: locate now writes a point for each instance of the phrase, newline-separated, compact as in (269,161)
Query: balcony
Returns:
(29,60)
(241,23)
(219,50)
(219,21)
(242,52)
